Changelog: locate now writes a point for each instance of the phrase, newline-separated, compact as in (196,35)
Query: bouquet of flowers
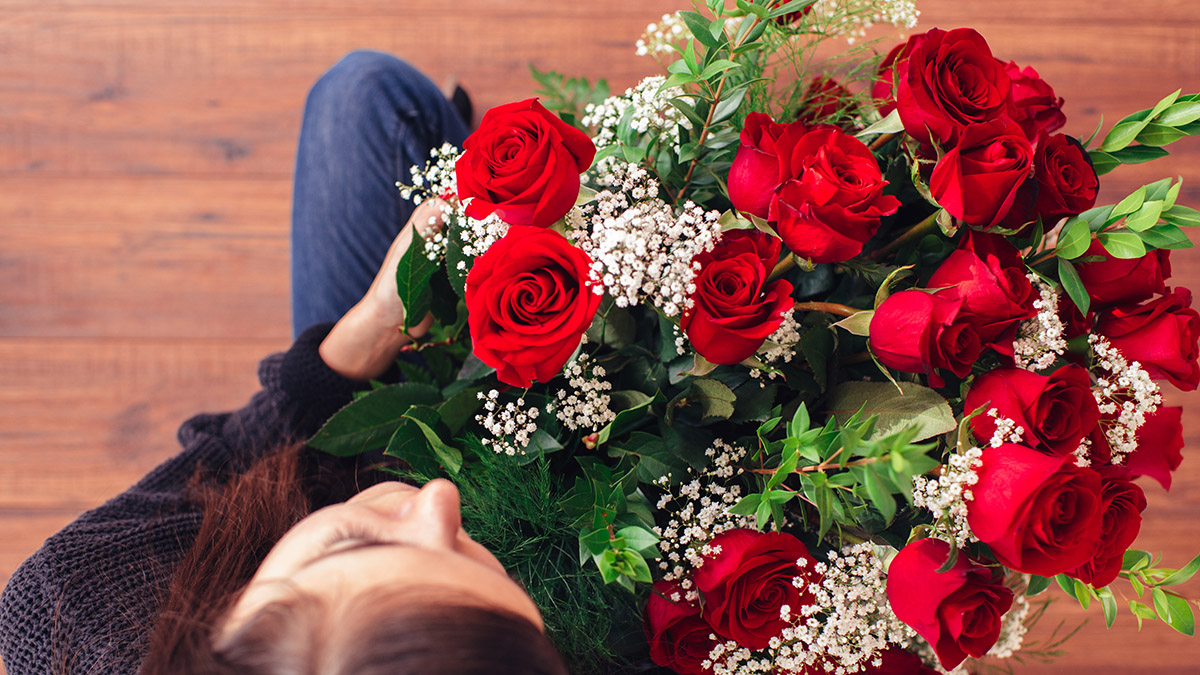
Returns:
(799,358)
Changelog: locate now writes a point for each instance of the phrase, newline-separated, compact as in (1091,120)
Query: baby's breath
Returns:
(511,425)
(661,37)
(701,512)
(585,404)
(641,248)
(1125,395)
(852,19)
(1040,340)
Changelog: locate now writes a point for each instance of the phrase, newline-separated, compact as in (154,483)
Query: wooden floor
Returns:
(146,149)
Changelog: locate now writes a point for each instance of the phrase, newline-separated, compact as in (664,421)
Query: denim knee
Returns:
(366,87)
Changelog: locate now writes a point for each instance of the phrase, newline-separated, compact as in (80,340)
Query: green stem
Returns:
(827,307)
(916,231)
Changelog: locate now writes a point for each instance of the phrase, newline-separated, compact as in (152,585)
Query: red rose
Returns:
(523,164)
(1161,334)
(1039,514)
(1123,281)
(831,200)
(680,639)
(977,181)
(881,89)
(756,169)
(1159,442)
(824,99)
(1055,411)
(917,332)
(1067,183)
(990,276)
(950,80)
(734,309)
(529,302)
(957,611)
(748,580)
(1038,110)
(1123,503)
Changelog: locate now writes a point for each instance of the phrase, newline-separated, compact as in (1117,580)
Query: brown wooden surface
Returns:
(145,157)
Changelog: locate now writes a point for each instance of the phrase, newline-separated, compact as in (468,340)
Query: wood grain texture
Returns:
(145,161)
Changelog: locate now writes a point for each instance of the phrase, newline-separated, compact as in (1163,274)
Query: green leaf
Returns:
(885,289)
(1179,114)
(412,282)
(1182,216)
(460,409)
(1183,574)
(824,502)
(699,27)
(888,125)
(746,505)
(917,407)
(1172,194)
(369,421)
(1165,237)
(715,398)
(1145,217)
(718,66)
(1134,560)
(1037,584)
(1139,154)
(1122,134)
(1075,239)
(785,469)
(1066,583)
(1157,135)
(638,538)
(728,105)
(1175,611)
(1126,245)
(637,406)
(857,324)
(1128,205)
(879,496)
(1103,162)
(1109,604)
(454,255)
(1073,285)
(450,458)
(1082,595)
(817,345)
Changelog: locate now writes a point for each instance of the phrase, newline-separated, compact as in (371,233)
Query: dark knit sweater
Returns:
(85,601)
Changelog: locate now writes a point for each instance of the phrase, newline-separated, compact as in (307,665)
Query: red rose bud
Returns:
(833,201)
(748,580)
(523,164)
(1161,334)
(734,309)
(977,181)
(823,100)
(679,637)
(918,332)
(1038,110)
(1039,514)
(1159,442)
(950,81)
(529,302)
(989,275)
(881,90)
(1123,503)
(957,611)
(1123,281)
(1067,183)
(1056,412)
(756,169)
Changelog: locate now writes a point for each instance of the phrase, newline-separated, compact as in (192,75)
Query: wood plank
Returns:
(148,256)
(190,77)
(81,420)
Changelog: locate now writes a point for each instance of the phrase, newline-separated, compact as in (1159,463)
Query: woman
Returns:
(249,553)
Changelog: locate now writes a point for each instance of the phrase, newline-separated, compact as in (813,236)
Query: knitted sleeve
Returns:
(85,601)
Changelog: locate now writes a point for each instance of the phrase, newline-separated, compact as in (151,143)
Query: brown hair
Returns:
(242,520)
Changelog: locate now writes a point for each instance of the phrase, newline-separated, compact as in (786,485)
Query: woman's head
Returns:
(389,539)
(386,582)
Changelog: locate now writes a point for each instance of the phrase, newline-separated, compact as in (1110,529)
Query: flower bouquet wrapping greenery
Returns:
(807,355)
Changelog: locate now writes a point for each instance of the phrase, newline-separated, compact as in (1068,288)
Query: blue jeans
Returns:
(366,122)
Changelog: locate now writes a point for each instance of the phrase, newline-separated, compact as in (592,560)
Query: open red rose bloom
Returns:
(833,371)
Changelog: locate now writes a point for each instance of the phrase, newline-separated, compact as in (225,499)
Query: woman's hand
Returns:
(364,343)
